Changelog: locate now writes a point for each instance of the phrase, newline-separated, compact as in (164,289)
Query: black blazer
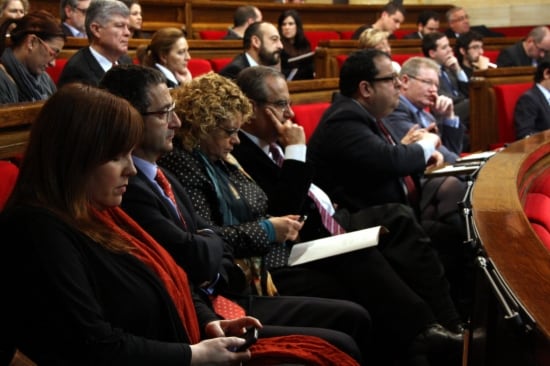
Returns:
(532,113)
(286,187)
(83,67)
(354,163)
(413,35)
(201,255)
(481,29)
(514,55)
(239,63)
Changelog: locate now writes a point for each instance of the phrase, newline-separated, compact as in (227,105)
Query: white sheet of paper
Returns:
(477,156)
(313,250)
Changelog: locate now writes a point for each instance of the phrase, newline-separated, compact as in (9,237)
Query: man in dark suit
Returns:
(532,111)
(459,23)
(262,46)
(243,17)
(428,22)
(73,14)
(393,14)
(453,81)
(289,189)
(108,35)
(419,85)
(196,246)
(528,52)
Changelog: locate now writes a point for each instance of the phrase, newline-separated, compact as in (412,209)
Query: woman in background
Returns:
(377,39)
(35,42)
(295,44)
(135,20)
(13,9)
(168,52)
(92,287)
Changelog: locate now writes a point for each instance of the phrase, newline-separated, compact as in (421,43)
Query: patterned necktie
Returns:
(227,308)
(160,178)
(410,186)
(276,154)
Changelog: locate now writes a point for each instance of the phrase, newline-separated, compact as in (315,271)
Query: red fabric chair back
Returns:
(55,71)
(309,115)
(219,63)
(212,34)
(8,172)
(506,96)
(340,59)
(400,58)
(199,66)
(315,36)
(492,54)
(346,34)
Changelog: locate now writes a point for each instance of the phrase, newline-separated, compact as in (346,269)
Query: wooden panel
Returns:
(312,91)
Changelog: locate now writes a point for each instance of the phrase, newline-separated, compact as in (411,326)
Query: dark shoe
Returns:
(436,339)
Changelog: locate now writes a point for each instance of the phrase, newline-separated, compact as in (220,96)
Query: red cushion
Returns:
(506,96)
(513,31)
(315,36)
(543,235)
(346,34)
(309,115)
(492,54)
(199,66)
(400,58)
(341,59)
(8,172)
(55,71)
(212,34)
(537,209)
(399,33)
(219,63)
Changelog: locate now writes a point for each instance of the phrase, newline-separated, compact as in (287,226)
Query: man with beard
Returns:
(262,46)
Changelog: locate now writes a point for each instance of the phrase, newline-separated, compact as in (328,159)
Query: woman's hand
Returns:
(286,227)
(216,351)
(234,327)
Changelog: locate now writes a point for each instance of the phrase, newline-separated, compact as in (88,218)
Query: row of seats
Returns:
(314,36)
(537,207)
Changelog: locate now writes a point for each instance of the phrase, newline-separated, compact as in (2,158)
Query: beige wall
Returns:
(488,12)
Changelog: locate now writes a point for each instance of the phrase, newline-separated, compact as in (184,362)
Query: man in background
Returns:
(73,14)
(108,34)
(393,14)
(262,46)
(243,17)
(532,111)
(428,22)
(528,52)
(469,52)
(459,23)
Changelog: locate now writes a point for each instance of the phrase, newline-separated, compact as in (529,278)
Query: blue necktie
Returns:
(448,82)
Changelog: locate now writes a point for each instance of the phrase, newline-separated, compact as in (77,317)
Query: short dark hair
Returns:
(359,66)
(252,30)
(539,73)
(429,42)
(132,82)
(464,42)
(242,14)
(393,7)
(426,15)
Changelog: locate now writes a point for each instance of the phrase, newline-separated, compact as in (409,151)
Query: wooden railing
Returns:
(517,253)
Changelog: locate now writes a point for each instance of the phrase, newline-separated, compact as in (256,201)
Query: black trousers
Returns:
(401,281)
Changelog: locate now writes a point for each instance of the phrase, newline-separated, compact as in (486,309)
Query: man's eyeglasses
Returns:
(166,112)
(460,18)
(53,53)
(82,11)
(394,77)
(281,104)
(430,83)
(230,131)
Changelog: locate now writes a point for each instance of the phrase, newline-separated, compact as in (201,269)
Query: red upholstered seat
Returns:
(346,34)
(199,66)
(315,36)
(537,209)
(506,96)
(541,184)
(400,58)
(400,33)
(212,34)
(55,71)
(220,63)
(341,59)
(309,115)
(491,54)
(8,172)
(513,31)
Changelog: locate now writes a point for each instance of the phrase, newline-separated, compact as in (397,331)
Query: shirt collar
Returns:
(105,63)
(146,167)
(168,74)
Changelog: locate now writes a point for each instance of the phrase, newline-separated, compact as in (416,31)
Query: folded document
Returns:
(313,250)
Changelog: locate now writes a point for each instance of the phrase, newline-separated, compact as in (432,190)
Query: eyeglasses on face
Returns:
(460,18)
(394,77)
(429,83)
(53,53)
(165,113)
(81,10)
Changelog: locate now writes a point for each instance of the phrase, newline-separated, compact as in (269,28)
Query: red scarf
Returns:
(160,261)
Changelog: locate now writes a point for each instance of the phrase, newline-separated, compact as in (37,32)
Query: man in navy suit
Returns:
(459,23)
(262,46)
(73,13)
(428,22)
(528,52)
(108,35)
(532,111)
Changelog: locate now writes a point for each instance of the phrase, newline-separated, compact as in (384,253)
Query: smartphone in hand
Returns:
(250,336)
